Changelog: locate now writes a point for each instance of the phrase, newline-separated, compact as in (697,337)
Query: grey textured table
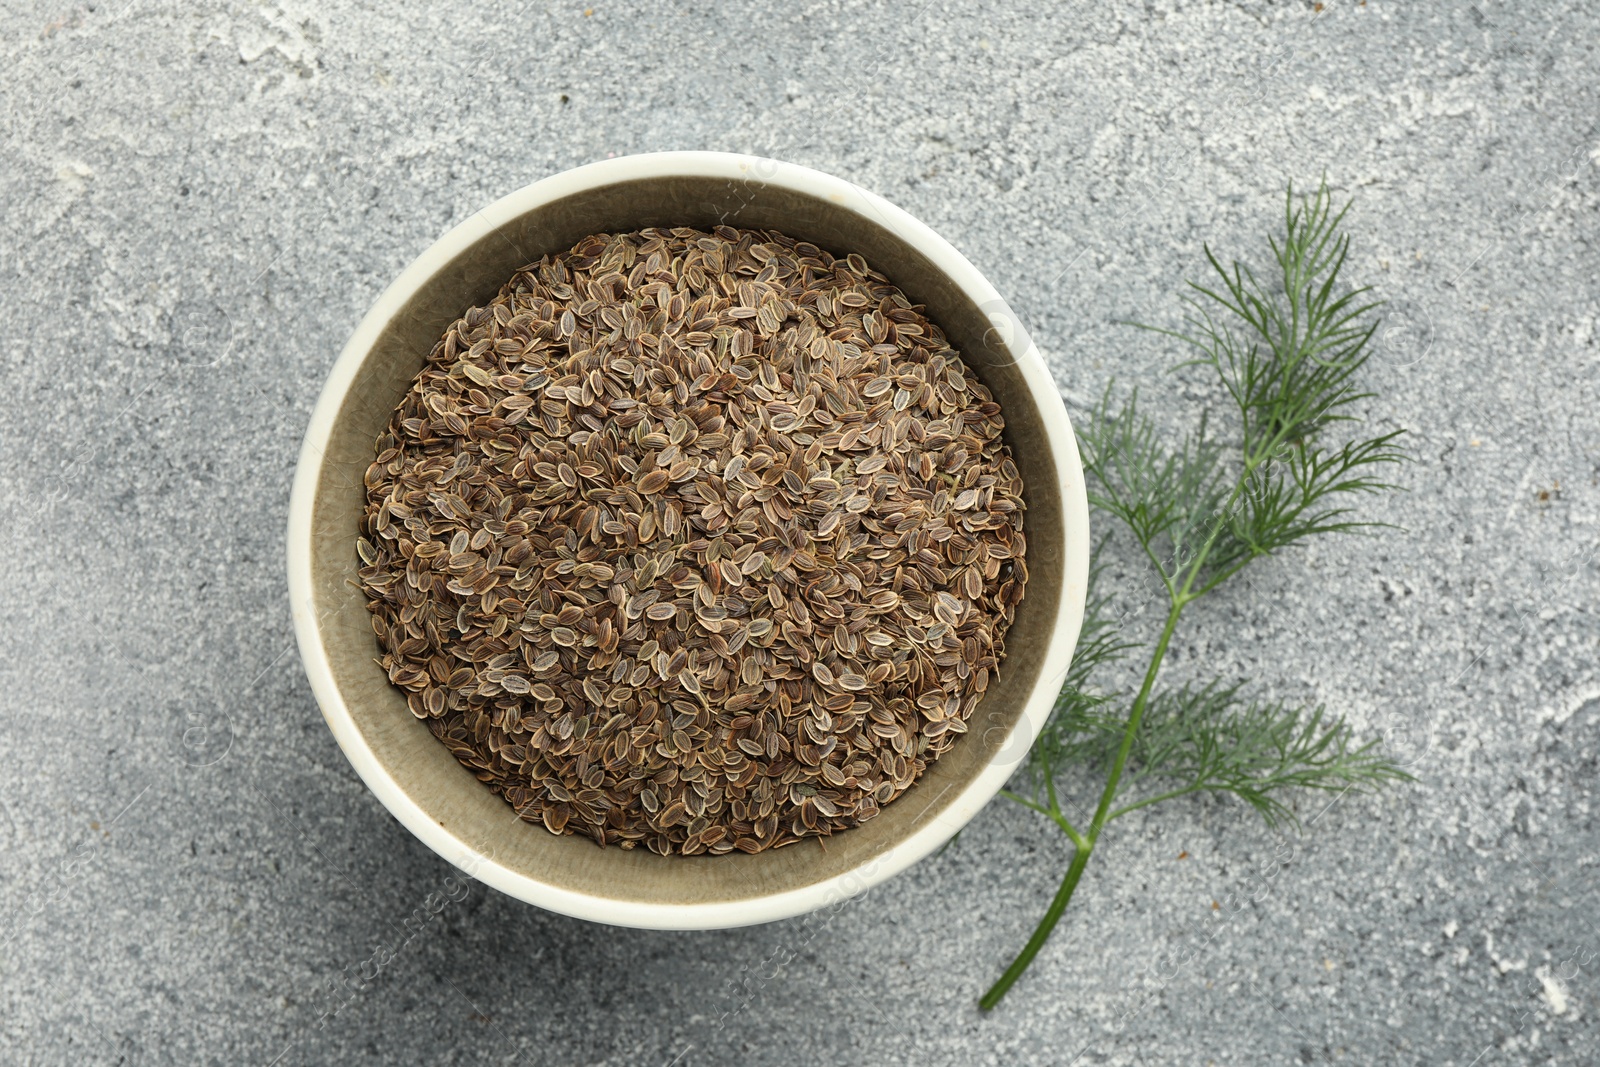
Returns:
(200,203)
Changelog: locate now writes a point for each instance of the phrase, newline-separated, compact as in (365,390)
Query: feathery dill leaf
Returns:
(1166,497)
(1208,739)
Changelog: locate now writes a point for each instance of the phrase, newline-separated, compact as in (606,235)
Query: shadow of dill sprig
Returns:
(1287,354)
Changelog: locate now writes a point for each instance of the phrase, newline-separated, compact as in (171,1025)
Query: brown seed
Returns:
(704,542)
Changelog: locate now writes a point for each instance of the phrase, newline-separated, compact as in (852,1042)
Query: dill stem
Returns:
(1041,933)
(1080,858)
(1109,794)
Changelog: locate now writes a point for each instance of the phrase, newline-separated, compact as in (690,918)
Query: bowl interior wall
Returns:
(426,770)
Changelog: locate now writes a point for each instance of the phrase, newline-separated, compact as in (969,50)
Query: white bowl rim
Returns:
(923,840)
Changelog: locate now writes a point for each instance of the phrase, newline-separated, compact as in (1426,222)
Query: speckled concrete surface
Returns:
(200,202)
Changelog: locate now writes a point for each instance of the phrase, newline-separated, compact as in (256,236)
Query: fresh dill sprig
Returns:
(1287,354)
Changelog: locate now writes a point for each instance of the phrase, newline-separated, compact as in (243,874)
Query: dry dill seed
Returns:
(705,541)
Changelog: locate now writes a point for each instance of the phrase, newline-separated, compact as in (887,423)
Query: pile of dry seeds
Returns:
(704,541)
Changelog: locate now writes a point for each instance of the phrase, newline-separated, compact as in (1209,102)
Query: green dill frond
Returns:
(1292,498)
(1166,497)
(1286,353)
(1208,739)
(1292,348)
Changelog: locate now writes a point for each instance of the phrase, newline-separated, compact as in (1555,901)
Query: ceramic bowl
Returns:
(421,783)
